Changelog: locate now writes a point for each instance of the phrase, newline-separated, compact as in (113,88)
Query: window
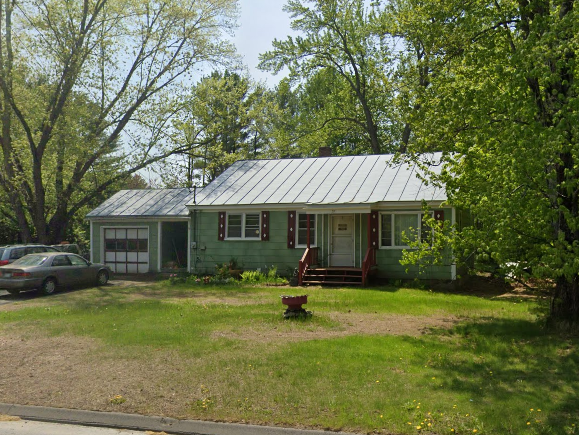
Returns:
(243,225)
(397,228)
(61,260)
(77,261)
(303,229)
(17,253)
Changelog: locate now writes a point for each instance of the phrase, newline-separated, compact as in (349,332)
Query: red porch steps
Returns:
(333,276)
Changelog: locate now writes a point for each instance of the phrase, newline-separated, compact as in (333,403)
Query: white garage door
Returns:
(127,249)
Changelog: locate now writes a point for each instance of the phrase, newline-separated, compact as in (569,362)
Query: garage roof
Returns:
(145,203)
(321,181)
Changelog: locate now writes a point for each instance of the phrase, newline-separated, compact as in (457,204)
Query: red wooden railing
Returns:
(310,257)
(368,263)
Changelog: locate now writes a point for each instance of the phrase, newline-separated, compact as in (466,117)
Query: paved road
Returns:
(131,422)
(26,427)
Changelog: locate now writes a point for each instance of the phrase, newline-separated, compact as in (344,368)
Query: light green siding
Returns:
(98,238)
(250,254)
(389,266)
(257,254)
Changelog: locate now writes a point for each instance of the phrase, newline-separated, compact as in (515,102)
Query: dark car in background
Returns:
(10,253)
(46,271)
(72,248)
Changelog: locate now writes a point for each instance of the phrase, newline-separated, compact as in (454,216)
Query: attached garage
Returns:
(140,231)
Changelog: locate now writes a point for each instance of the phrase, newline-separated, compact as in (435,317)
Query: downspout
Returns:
(91,246)
(195,235)
(308,226)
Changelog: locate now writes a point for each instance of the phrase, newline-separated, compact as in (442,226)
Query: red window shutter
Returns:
(373,229)
(265,226)
(291,229)
(439,215)
(221,225)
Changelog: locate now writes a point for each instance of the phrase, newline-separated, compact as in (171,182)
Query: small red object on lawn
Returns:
(294,306)
(294,302)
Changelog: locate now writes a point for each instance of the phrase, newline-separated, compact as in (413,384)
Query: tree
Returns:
(89,85)
(225,118)
(341,50)
(503,104)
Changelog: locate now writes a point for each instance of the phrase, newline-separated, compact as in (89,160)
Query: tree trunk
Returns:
(371,129)
(6,65)
(565,304)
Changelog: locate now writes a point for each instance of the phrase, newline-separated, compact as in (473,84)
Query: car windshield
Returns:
(30,260)
(1,252)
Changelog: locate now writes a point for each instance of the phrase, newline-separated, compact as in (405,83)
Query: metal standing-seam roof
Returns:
(145,203)
(320,181)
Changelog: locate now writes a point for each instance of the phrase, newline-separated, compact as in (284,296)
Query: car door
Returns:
(62,269)
(80,270)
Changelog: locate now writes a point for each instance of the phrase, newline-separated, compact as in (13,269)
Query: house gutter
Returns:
(320,208)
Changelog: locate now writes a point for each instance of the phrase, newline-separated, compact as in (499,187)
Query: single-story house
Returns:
(341,215)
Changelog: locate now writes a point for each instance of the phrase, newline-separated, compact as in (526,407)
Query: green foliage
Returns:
(342,64)
(257,277)
(97,71)
(225,118)
(502,103)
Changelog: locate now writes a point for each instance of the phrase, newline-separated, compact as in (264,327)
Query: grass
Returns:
(496,371)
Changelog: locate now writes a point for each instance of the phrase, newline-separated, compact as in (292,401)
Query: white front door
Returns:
(342,244)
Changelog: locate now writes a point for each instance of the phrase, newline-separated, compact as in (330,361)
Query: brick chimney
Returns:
(325,152)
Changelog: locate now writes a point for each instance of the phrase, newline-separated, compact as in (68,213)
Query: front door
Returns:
(342,244)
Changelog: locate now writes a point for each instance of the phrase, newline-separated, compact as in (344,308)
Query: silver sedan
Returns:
(47,270)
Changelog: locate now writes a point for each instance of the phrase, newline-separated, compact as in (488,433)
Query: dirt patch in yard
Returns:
(82,373)
(350,324)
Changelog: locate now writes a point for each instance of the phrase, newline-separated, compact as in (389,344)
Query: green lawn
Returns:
(495,371)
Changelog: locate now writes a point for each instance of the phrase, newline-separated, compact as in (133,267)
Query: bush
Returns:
(257,277)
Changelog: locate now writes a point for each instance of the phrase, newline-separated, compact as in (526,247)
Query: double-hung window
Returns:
(397,229)
(243,225)
(303,230)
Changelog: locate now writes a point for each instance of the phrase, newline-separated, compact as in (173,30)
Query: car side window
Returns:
(77,261)
(16,253)
(61,260)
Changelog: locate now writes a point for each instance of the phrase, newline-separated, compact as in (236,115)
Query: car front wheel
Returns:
(48,286)
(102,277)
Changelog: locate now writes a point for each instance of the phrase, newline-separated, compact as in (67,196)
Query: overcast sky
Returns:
(260,22)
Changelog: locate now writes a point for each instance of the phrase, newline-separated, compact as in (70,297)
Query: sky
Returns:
(260,22)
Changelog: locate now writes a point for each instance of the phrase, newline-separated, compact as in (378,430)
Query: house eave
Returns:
(135,218)
(318,208)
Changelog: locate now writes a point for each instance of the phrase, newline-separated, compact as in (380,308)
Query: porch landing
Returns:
(333,276)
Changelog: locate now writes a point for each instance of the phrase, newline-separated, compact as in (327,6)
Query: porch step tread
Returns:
(333,282)
(331,276)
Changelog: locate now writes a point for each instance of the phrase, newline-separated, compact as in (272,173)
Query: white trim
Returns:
(189,246)
(353,252)
(329,240)
(361,260)
(334,208)
(453,272)
(297,233)
(159,244)
(139,219)
(393,213)
(243,223)
(91,246)
(322,256)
